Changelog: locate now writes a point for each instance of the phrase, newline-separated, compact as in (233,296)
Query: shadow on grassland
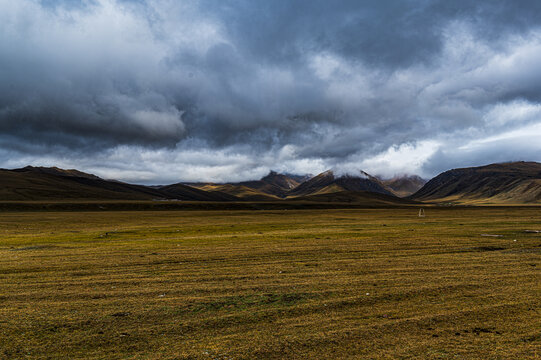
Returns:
(184,205)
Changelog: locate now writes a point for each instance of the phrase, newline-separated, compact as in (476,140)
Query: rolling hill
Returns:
(54,184)
(240,192)
(505,183)
(189,193)
(272,187)
(272,184)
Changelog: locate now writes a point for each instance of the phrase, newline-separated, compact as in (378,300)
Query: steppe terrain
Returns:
(460,283)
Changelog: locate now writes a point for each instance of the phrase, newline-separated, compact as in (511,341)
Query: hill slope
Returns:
(189,193)
(239,191)
(403,186)
(327,182)
(36,183)
(273,184)
(54,184)
(506,183)
(358,197)
(271,187)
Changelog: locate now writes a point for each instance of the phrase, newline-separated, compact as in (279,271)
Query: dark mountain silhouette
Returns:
(56,171)
(38,183)
(54,184)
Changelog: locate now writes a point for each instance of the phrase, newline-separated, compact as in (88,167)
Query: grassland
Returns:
(274,284)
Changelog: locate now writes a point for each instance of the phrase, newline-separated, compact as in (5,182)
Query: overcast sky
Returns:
(161,91)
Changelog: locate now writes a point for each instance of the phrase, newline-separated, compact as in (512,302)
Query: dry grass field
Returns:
(280,284)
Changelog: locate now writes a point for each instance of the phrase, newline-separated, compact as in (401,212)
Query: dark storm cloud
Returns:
(297,85)
(381,33)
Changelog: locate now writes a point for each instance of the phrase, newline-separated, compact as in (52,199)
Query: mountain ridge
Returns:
(328,182)
(404,185)
(499,183)
(42,183)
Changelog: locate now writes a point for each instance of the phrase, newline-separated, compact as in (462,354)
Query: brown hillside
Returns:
(54,184)
(240,191)
(273,184)
(403,186)
(506,183)
(327,182)
(358,197)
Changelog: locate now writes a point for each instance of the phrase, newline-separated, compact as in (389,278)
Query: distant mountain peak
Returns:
(328,181)
(280,180)
(271,176)
(404,185)
(327,173)
(337,174)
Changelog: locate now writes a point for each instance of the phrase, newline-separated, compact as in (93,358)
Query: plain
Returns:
(459,283)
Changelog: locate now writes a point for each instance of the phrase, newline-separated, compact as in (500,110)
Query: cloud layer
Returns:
(162,91)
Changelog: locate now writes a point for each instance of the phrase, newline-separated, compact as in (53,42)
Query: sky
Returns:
(163,91)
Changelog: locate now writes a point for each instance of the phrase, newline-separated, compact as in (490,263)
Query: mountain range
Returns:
(505,183)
